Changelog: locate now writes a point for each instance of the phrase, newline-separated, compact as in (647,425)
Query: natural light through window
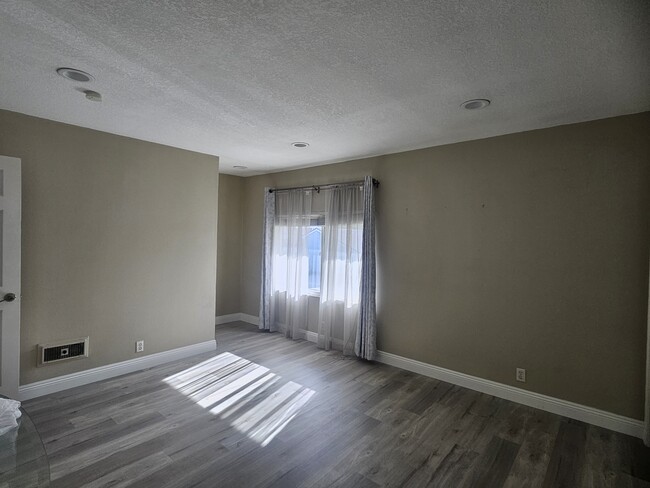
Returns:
(314,242)
(227,384)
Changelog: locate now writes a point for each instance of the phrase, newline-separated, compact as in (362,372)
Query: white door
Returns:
(9,275)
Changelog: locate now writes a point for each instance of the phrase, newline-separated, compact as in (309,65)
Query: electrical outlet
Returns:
(521,375)
(139,346)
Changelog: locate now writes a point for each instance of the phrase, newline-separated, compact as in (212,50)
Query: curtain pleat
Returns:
(266,305)
(366,340)
(291,274)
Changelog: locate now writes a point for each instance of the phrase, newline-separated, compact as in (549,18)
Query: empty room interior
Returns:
(324,243)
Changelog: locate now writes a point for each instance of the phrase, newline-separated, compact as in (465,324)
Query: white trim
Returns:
(251,319)
(305,334)
(225,319)
(237,317)
(52,385)
(311,336)
(601,418)
(10,235)
(557,406)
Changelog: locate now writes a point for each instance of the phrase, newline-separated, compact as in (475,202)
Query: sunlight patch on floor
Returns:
(257,401)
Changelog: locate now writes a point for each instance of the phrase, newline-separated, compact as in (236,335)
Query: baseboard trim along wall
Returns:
(237,317)
(224,319)
(53,385)
(601,418)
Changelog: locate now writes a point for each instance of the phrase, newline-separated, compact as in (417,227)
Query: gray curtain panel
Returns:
(366,340)
(266,303)
(646,433)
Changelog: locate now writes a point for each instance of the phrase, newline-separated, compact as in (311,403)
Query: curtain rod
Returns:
(318,188)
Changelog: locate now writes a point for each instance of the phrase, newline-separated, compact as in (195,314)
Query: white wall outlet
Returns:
(139,346)
(521,375)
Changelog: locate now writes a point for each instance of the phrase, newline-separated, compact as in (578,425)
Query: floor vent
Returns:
(60,351)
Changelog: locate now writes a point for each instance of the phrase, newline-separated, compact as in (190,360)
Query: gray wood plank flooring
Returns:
(265,411)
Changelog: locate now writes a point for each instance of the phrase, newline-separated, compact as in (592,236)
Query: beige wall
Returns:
(527,250)
(229,245)
(118,242)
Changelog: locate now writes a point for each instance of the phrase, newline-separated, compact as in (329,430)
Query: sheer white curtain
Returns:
(290,262)
(341,231)
(341,269)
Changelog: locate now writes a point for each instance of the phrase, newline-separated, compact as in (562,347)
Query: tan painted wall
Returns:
(527,250)
(118,242)
(229,245)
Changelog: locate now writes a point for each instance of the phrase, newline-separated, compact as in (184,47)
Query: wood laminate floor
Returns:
(265,411)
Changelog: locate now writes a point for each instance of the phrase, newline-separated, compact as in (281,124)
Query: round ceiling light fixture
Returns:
(75,74)
(93,96)
(240,166)
(475,104)
(300,145)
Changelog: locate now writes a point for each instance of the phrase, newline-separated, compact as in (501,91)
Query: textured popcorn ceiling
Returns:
(243,79)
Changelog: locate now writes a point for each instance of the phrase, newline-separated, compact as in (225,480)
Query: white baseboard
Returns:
(251,319)
(224,319)
(313,337)
(557,406)
(52,385)
(237,317)
(302,334)
(601,418)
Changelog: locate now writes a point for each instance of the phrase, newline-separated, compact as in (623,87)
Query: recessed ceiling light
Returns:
(300,145)
(75,74)
(475,104)
(239,166)
(93,96)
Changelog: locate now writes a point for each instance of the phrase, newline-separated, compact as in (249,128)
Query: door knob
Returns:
(9,297)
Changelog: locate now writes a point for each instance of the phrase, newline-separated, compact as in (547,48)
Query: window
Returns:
(314,252)
(296,254)
(314,237)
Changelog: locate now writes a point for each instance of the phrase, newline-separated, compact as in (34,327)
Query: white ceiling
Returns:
(242,79)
